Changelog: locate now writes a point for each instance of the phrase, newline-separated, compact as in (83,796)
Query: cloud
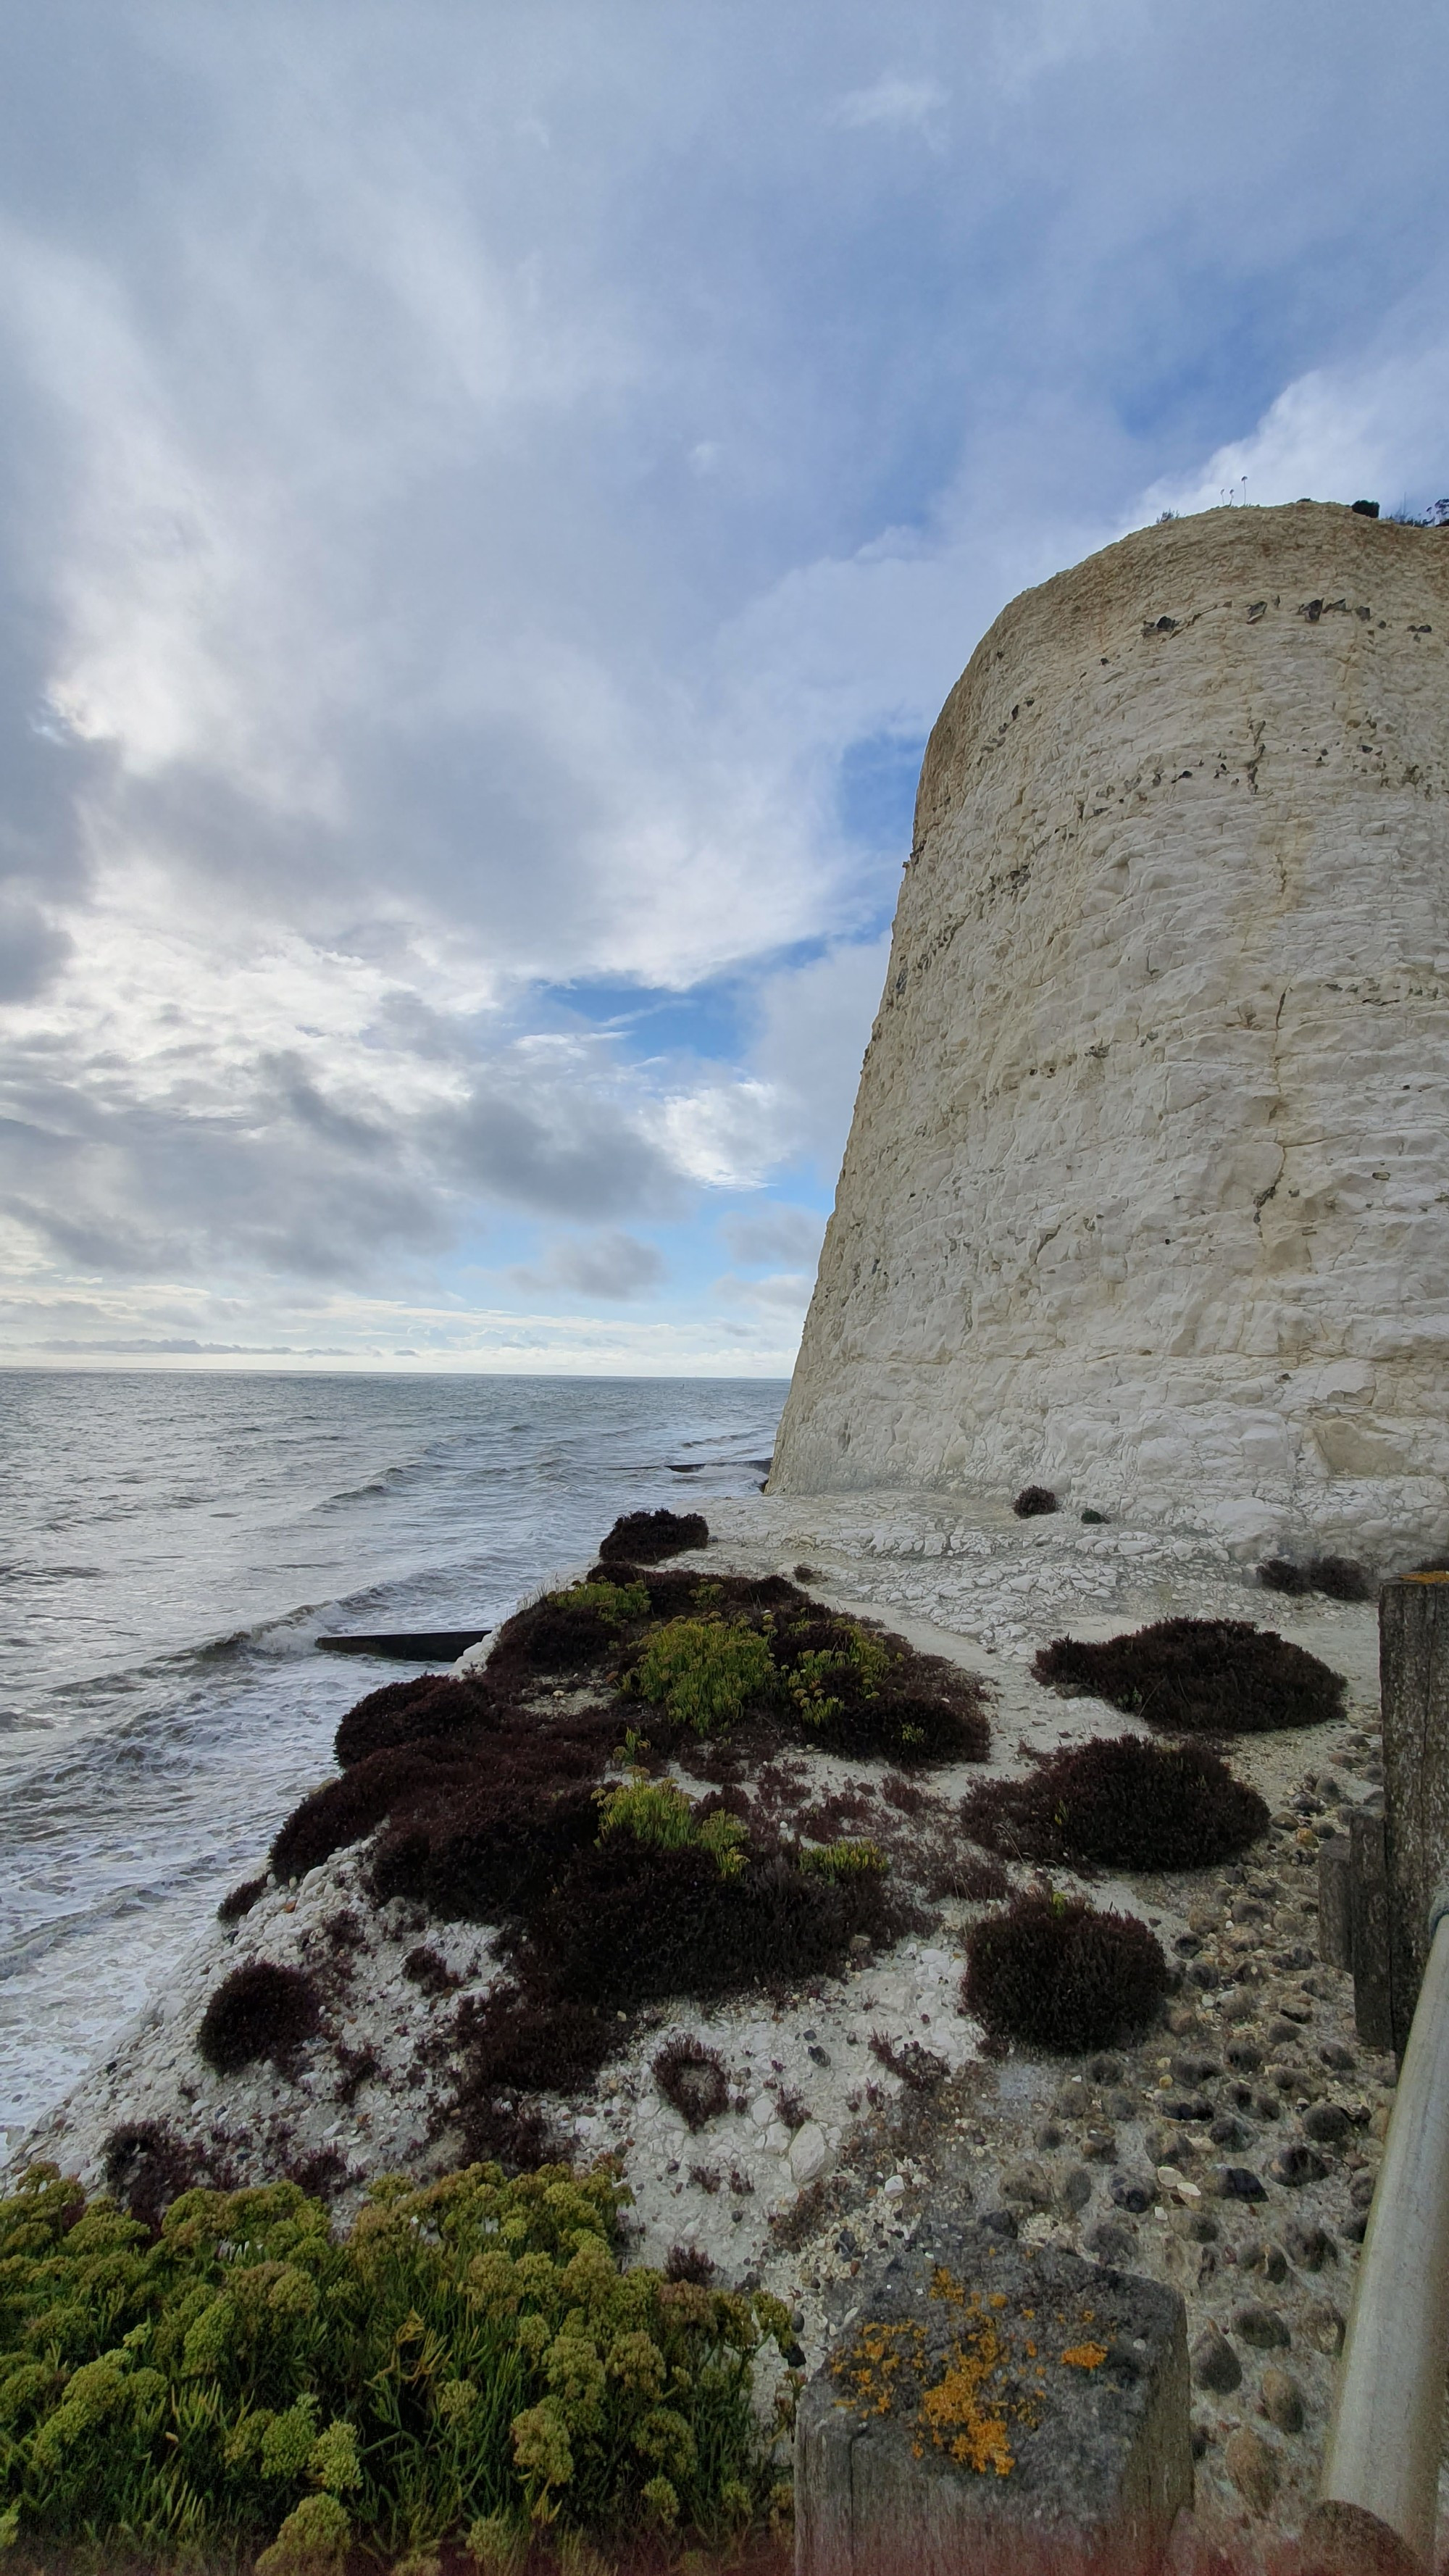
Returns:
(775,1233)
(467,497)
(896,102)
(1370,428)
(562,1153)
(813,1025)
(788,1292)
(611,1265)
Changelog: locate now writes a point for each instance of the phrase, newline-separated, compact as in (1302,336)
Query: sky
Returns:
(492,500)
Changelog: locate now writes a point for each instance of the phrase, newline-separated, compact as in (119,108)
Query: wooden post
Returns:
(1368,1943)
(1335,1902)
(1414,1686)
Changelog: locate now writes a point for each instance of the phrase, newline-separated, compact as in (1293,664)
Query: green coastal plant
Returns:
(617,1604)
(469,2355)
(655,1811)
(704,1672)
(859,1658)
(845,1859)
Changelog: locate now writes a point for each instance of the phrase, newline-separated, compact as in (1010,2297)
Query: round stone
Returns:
(1296,2165)
(1215,2365)
(1111,2242)
(1253,2467)
(1282,2399)
(1328,2122)
(1263,2328)
(1134,2192)
(1028,2185)
(1310,2247)
(808,2151)
(1239,2182)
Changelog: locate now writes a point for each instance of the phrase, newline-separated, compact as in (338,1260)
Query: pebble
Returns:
(1328,2122)
(1239,2182)
(1252,2464)
(1027,2184)
(1263,2328)
(1134,2192)
(1215,2365)
(808,2152)
(1295,2165)
(1323,2328)
(1310,2247)
(1282,2400)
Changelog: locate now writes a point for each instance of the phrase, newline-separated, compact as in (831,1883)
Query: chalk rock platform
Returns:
(1147,1192)
(992,2409)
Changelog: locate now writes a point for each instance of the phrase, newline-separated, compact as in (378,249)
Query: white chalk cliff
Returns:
(1147,1190)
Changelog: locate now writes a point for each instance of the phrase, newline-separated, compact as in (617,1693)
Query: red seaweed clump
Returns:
(1199,1677)
(1123,1802)
(1056,1974)
(646,1538)
(258,2011)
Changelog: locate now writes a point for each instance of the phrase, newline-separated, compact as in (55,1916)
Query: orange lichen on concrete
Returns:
(985,2376)
(955,2415)
(871,2366)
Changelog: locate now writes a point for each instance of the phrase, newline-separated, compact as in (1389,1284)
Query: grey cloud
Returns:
(31,949)
(274,1182)
(361,601)
(613,1265)
(570,1155)
(773,1234)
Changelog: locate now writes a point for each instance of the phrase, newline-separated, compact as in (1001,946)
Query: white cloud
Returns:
(894,101)
(463,489)
(1370,428)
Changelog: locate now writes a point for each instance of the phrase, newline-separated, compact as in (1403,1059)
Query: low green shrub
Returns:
(617,1604)
(704,1673)
(470,2354)
(655,1811)
(844,1859)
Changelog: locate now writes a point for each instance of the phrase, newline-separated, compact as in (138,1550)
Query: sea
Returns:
(174,1545)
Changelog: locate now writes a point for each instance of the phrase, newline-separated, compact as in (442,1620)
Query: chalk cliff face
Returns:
(1147,1191)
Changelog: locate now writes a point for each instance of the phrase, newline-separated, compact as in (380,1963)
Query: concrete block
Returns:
(995,2409)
